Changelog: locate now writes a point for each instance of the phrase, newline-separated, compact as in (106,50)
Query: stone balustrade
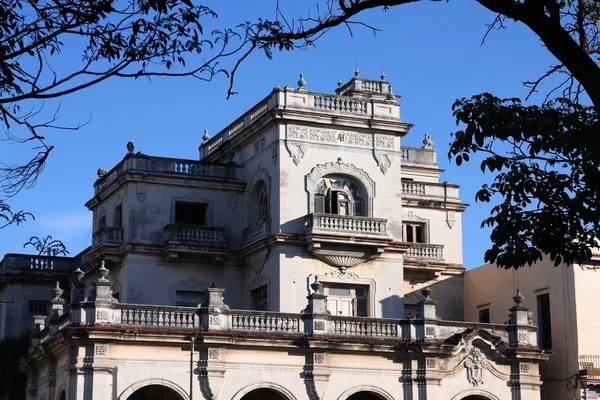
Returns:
(430,190)
(108,236)
(101,309)
(341,104)
(141,163)
(272,322)
(195,234)
(137,315)
(331,223)
(18,263)
(367,327)
(425,251)
(168,318)
(258,231)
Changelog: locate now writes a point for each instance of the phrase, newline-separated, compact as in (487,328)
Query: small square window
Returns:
(38,307)
(190,213)
(414,233)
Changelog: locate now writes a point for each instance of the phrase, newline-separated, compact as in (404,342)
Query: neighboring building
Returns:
(25,283)
(565,310)
(285,255)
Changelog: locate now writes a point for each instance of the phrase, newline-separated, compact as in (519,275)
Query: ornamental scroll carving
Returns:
(476,363)
(331,136)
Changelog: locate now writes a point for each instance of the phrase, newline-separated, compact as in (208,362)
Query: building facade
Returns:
(294,260)
(565,307)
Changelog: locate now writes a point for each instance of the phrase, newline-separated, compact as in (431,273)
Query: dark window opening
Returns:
(414,233)
(260,298)
(38,307)
(338,195)
(484,316)
(102,222)
(118,216)
(190,213)
(189,298)
(544,322)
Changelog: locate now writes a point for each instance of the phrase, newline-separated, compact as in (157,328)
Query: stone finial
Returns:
(317,286)
(357,72)
(390,95)
(130,147)
(382,75)
(427,142)
(101,172)
(340,83)
(77,275)
(518,298)
(301,82)
(103,272)
(426,292)
(57,292)
(205,138)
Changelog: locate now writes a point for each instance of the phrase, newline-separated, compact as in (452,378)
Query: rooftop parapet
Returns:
(174,167)
(358,99)
(30,264)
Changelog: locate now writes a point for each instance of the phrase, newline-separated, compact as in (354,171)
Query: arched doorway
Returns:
(155,392)
(365,396)
(263,394)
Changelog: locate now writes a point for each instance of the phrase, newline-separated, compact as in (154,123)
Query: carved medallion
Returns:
(476,363)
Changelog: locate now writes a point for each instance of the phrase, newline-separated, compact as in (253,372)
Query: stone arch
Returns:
(475,393)
(366,388)
(153,381)
(261,174)
(263,385)
(340,168)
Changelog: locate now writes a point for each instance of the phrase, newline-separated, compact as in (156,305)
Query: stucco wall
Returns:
(493,288)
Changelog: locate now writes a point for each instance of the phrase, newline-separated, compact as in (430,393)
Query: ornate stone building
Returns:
(293,260)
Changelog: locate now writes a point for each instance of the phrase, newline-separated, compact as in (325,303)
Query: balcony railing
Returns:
(331,223)
(591,364)
(195,235)
(431,190)
(426,251)
(252,321)
(18,263)
(108,236)
(258,231)
(156,316)
(192,319)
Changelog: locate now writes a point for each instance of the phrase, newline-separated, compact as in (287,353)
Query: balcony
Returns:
(425,252)
(256,232)
(344,224)
(197,235)
(589,365)
(345,241)
(108,236)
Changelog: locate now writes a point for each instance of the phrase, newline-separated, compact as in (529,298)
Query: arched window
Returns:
(339,195)
(260,203)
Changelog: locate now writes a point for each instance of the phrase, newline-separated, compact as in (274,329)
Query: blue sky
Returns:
(431,53)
